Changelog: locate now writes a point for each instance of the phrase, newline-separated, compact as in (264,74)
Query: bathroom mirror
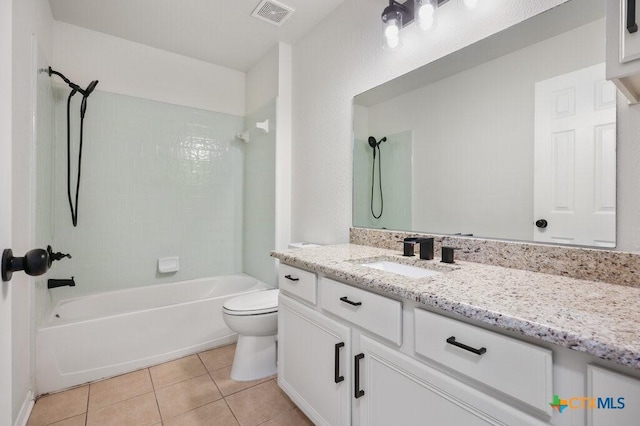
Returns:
(513,137)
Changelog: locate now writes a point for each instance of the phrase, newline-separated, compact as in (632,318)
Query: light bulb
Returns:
(393,42)
(392,23)
(426,10)
(391,30)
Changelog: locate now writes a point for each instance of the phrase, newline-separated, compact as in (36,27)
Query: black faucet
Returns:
(51,283)
(426,248)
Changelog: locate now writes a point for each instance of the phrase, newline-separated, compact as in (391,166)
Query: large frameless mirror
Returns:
(513,137)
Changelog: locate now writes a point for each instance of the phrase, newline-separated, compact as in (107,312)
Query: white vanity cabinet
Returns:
(399,390)
(617,395)
(623,47)
(344,362)
(313,362)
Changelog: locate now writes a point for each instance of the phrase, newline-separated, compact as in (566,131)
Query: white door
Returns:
(314,363)
(5,209)
(575,159)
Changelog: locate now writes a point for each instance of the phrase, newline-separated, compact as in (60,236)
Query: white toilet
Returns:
(254,317)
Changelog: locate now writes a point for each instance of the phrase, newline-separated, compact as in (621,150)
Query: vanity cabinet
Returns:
(399,390)
(344,362)
(623,47)
(618,396)
(313,362)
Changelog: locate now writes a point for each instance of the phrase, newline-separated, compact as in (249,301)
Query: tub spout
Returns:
(51,283)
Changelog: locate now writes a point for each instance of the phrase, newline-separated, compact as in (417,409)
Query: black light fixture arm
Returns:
(35,262)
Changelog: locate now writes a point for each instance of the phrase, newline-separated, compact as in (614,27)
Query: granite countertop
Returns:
(597,318)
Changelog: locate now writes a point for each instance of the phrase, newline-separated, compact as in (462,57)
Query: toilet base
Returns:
(255,358)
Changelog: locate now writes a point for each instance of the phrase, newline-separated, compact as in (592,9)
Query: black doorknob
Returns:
(541,223)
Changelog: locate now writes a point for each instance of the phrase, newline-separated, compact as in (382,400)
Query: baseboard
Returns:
(25,410)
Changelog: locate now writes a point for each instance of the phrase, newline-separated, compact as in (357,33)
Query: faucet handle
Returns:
(56,256)
(409,244)
(447,254)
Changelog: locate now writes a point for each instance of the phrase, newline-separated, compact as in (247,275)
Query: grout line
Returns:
(86,413)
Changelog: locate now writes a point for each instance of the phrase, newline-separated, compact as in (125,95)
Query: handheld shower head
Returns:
(85,95)
(372,142)
(90,88)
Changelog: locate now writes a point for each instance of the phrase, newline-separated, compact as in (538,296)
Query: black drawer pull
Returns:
(452,341)
(358,392)
(289,277)
(632,27)
(345,300)
(336,364)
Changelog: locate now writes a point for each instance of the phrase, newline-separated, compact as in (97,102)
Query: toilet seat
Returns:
(258,303)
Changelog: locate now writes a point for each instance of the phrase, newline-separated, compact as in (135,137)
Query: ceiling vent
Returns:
(272,12)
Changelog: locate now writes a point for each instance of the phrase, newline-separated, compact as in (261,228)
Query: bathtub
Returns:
(103,335)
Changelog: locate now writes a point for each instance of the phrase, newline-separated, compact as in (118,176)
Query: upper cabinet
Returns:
(623,47)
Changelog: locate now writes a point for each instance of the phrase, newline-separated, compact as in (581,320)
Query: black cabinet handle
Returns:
(542,223)
(632,27)
(452,341)
(336,364)
(358,392)
(289,277)
(345,300)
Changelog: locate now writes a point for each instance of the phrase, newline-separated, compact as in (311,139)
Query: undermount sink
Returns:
(400,269)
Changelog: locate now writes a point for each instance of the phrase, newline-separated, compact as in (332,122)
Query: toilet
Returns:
(254,317)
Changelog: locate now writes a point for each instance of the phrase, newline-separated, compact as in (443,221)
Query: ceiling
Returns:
(216,31)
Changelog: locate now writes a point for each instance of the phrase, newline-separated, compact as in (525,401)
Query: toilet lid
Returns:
(259,302)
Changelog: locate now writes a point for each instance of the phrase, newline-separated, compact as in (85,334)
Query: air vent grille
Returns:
(273,12)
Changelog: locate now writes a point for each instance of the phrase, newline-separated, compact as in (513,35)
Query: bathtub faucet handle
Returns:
(56,256)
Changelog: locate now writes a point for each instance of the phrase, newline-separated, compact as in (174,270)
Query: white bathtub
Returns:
(107,334)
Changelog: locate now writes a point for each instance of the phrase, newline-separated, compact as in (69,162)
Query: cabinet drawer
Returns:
(520,370)
(297,282)
(377,314)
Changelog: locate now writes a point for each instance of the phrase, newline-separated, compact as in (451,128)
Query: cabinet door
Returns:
(314,363)
(399,390)
(616,398)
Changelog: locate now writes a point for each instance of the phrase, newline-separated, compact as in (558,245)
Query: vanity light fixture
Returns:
(394,18)
(398,15)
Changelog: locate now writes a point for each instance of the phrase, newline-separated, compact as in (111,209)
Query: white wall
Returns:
(284,114)
(343,56)
(137,70)
(32,17)
(268,80)
(262,81)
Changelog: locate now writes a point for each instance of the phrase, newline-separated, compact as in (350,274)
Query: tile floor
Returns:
(195,390)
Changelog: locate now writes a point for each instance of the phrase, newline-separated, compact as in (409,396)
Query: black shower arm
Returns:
(66,80)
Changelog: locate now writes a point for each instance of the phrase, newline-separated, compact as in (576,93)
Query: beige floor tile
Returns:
(176,371)
(73,421)
(293,417)
(214,414)
(217,358)
(138,411)
(59,406)
(258,404)
(187,395)
(228,386)
(119,388)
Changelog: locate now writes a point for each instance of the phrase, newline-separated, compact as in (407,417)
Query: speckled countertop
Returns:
(597,318)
